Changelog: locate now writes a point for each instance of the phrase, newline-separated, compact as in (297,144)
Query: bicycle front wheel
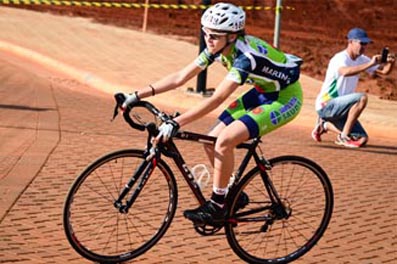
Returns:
(260,232)
(97,230)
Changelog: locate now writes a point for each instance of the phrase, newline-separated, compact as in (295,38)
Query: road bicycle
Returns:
(122,204)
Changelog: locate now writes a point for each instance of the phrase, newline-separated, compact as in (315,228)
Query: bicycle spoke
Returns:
(104,185)
(132,225)
(92,219)
(94,190)
(304,223)
(108,242)
(299,185)
(113,178)
(129,232)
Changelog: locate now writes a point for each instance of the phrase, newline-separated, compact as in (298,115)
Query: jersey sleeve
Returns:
(240,70)
(204,59)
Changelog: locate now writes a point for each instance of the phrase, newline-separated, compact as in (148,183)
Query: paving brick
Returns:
(362,229)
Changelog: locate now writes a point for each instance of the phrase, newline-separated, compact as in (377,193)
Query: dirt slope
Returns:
(314,30)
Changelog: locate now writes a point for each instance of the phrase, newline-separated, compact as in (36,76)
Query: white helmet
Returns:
(224,17)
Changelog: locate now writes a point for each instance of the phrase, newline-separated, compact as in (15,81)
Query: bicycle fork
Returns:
(142,174)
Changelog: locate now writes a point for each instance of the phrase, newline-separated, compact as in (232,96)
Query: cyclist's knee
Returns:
(230,137)
(224,144)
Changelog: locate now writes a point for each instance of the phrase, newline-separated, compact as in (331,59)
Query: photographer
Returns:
(338,105)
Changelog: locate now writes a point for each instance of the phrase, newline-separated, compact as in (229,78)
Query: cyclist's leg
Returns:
(213,211)
(272,113)
(230,132)
(276,110)
(209,148)
(232,135)
(234,111)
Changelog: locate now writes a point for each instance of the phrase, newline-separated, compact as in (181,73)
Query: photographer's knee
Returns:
(363,100)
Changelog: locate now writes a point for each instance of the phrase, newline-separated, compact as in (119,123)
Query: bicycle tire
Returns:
(97,230)
(305,188)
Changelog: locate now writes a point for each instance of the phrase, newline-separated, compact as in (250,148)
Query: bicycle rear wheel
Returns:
(259,233)
(95,227)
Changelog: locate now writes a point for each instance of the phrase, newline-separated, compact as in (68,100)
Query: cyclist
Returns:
(274,100)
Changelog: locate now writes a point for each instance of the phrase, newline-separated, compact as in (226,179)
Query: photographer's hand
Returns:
(391,58)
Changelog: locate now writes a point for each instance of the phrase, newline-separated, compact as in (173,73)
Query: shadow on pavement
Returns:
(378,149)
(25,108)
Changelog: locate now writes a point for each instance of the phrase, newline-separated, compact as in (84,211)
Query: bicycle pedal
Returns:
(206,230)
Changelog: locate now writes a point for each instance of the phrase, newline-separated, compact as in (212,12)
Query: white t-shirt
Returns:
(335,84)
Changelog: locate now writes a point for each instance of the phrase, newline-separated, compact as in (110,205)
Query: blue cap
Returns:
(359,34)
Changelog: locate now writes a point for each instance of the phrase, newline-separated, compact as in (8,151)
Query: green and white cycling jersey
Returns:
(255,62)
(276,97)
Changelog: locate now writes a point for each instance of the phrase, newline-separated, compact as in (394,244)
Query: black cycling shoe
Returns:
(207,214)
(242,201)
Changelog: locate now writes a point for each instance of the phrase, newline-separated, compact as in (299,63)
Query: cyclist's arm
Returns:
(222,92)
(171,81)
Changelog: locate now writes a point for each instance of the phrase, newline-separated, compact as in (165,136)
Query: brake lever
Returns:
(115,112)
(120,98)
(153,151)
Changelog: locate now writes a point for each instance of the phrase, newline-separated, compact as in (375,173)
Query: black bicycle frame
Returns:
(169,149)
(145,169)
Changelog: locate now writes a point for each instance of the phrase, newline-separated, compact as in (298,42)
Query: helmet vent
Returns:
(224,17)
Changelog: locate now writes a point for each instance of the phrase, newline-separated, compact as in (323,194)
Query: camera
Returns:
(385,52)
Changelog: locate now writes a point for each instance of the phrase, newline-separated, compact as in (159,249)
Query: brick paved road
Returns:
(362,230)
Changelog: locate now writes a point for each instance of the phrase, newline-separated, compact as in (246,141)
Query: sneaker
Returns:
(347,142)
(360,140)
(207,214)
(318,131)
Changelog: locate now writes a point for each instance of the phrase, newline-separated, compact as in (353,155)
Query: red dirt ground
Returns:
(313,30)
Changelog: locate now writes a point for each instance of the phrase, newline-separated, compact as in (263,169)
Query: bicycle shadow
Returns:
(25,108)
(377,149)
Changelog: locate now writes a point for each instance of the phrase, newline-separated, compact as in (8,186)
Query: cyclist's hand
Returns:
(167,130)
(130,100)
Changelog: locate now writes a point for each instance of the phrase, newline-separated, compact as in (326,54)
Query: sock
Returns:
(218,196)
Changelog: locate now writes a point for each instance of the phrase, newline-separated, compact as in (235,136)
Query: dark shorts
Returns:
(336,112)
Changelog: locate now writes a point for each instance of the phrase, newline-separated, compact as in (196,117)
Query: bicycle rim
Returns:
(305,189)
(97,230)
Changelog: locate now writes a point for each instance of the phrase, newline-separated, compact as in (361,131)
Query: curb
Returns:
(83,77)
